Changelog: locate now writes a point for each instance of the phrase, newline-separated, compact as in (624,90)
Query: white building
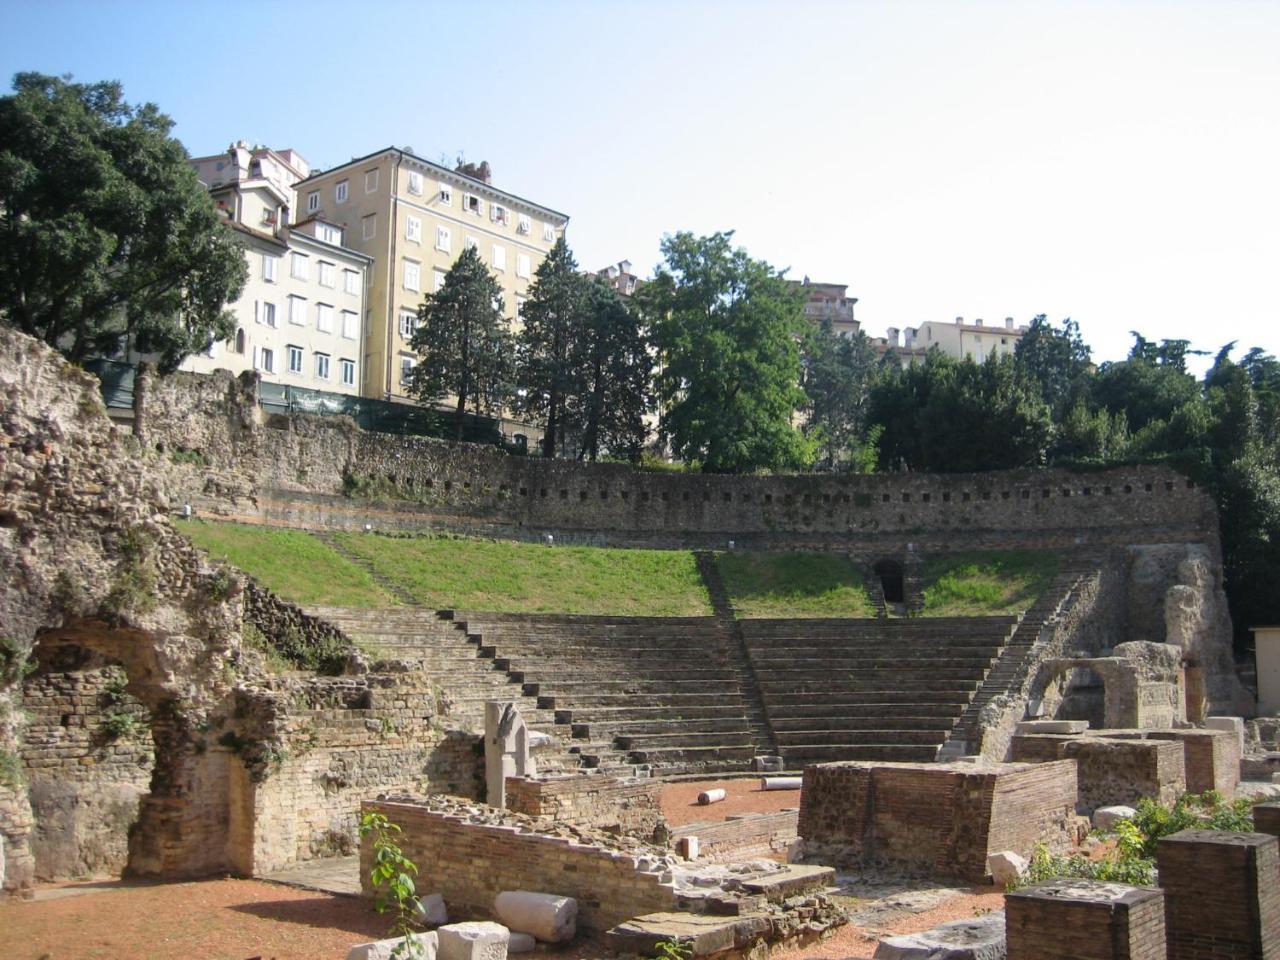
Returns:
(975,340)
(302,313)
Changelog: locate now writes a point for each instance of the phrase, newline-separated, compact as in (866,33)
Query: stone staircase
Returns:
(440,648)
(1018,656)
(645,695)
(870,689)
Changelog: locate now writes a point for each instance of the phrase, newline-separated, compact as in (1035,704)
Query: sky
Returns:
(1117,162)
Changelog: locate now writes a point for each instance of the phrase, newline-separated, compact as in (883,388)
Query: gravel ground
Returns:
(680,800)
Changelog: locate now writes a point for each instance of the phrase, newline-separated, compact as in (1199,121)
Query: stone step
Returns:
(872,649)
(722,757)
(708,688)
(949,665)
(620,728)
(791,700)
(796,755)
(648,741)
(854,738)
(899,680)
(877,721)
(620,715)
(689,650)
(542,672)
(826,712)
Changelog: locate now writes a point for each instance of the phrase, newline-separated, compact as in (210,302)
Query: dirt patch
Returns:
(680,800)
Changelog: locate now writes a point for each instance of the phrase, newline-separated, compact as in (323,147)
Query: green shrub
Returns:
(11,773)
(117,725)
(1206,811)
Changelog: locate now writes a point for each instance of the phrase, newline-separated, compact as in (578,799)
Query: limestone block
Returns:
(1053,726)
(978,939)
(474,940)
(431,911)
(1005,867)
(1104,818)
(550,918)
(385,949)
(521,942)
(1231,724)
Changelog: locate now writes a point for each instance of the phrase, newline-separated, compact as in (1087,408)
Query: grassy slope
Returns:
(793,585)
(505,576)
(987,583)
(294,564)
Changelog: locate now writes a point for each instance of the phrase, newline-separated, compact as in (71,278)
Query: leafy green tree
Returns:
(838,372)
(615,392)
(106,236)
(727,330)
(1057,361)
(1149,386)
(554,316)
(463,344)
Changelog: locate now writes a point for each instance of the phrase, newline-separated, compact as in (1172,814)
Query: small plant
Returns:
(672,949)
(1205,811)
(11,772)
(392,877)
(117,725)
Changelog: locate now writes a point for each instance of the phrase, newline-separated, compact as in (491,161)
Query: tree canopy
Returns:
(106,236)
(837,379)
(463,344)
(727,330)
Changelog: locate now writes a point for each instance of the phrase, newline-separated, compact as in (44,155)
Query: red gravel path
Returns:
(680,800)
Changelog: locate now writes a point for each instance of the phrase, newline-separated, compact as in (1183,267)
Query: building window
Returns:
(406,369)
(350,323)
(524,225)
(322,366)
(327,275)
(370,186)
(369,226)
(295,359)
(329,234)
(499,257)
(520,308)
(444,240)
(446,194)
(313,201)
(269,267)
(415,182)
(266,360)
(472,243)
(237,342)
(440,275)
(324,318)
(408,324)
(548,233)
(522,265)
(340,192)
(412,276)
(298,266)
(472,204)
(297,307)
(351,281)
(347,371)
(499,214)
(413,229)
(267,317)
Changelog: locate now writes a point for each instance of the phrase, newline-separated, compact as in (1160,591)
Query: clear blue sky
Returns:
(1114,162)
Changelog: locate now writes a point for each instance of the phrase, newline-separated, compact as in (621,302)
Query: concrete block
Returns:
(1231,724)
(475,940)
(1053,726)
(1005,867)
(1104,818)
(978,939)
(767,764)
(431,911)
(550,918)
(521,943)
(385,949)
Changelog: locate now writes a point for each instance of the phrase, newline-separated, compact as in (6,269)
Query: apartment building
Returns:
(829,301)
(620,278)
(301,314)
(413,218)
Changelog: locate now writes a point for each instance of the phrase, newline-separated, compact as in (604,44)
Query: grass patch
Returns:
(293,564)
(794,585)
(506,576)
(986,583)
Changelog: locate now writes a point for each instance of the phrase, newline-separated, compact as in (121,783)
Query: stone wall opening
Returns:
(1075,693)
(88,756)
(892,581)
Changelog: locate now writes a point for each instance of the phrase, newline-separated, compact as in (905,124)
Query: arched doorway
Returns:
(889,573)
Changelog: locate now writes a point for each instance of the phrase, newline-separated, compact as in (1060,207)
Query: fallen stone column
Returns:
(781,783)
(711,796)
(550,918)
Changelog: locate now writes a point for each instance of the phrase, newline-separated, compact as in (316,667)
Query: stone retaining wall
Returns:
(616,803)
(745,837)
(935,819)
(470,854)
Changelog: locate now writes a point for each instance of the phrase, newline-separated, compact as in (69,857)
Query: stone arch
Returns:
(892,579)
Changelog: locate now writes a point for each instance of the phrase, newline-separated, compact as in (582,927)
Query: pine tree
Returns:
(611,354)
(463,343)
(837,380)
(554,316)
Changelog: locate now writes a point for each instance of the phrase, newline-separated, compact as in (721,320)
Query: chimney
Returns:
(959,321)
(978,322)
(891,334)
(1008,323)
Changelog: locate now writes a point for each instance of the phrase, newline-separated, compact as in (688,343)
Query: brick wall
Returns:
(1084,920)
(745,837)
(1266,818)
(1222,898)
(624,804)
(1110,771)
(1212,758)
(935,819)
(470,863)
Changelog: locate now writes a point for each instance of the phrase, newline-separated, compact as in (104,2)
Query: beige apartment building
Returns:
(829,301)
(301,314)
(975,340)
(413,218)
